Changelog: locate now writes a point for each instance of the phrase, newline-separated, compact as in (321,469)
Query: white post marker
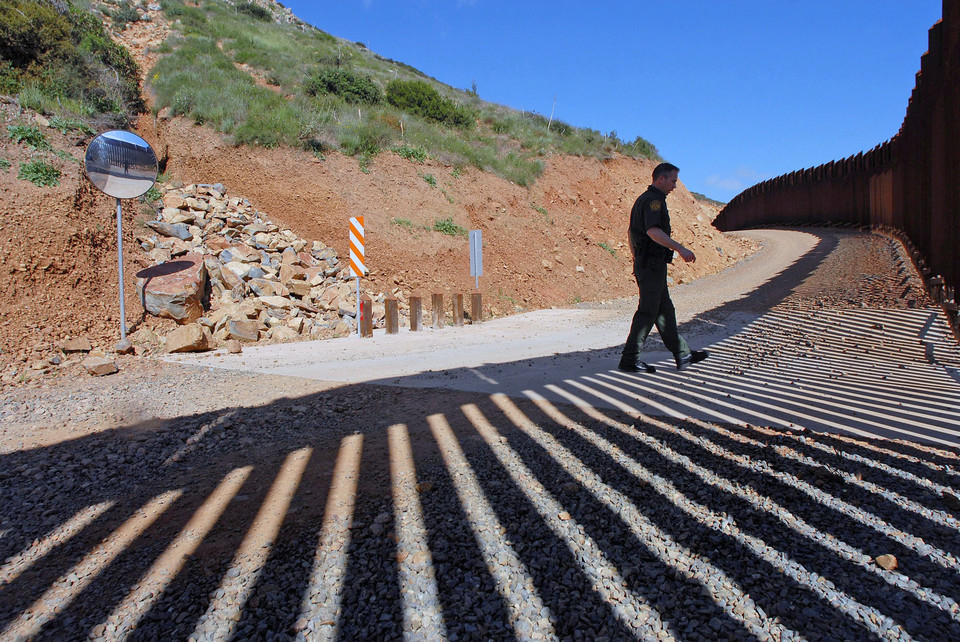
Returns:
(476,256)
(357,265)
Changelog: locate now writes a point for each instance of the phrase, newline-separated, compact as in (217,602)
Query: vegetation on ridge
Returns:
(57,59)
(273,82)
(253,73)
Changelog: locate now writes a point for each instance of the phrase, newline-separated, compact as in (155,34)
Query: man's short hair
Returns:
(662,169)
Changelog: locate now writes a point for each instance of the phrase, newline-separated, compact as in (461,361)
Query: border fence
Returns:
(910,183)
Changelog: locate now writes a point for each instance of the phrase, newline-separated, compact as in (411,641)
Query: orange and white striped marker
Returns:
(357,266)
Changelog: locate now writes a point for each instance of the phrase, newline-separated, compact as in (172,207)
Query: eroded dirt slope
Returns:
(534,238)
(555,243)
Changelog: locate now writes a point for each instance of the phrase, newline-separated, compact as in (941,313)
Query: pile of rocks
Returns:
(226,273)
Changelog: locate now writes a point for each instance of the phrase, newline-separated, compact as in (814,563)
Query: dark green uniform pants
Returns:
(655,308)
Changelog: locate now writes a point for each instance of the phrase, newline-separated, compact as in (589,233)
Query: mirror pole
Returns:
(123,318)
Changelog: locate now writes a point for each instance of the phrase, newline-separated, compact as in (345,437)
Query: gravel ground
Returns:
(178,502)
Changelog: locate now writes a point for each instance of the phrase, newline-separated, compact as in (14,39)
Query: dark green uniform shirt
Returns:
(649,210)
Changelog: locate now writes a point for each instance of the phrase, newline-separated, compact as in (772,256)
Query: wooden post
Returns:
(366,316)
(416,313)
(458,309)
(476,307)
(392,315)
(437,300)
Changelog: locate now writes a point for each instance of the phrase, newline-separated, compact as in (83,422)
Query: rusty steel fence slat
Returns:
(910,183)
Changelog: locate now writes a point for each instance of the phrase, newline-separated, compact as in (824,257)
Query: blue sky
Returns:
(732,91)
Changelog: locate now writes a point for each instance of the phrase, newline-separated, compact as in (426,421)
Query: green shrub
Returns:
(151,195)
(173,9)
(352,87)
(192,18)
(65,125)
(124,15)
(417,154)
(32,34)
(66,59)
(10,79)
(447,226)
(29,135)
(39,173)
(268,127)
(255,10)
(4,164)
(31,96)
(561,128)
(518,169)
(642,147)
(538,120)
(363,160)
(405,223)
(429,179)
(420,99)
(365,137)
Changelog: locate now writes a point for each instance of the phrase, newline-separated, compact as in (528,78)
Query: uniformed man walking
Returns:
(653,249)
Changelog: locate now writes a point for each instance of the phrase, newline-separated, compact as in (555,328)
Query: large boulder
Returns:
(243,329)
(174,289)
(283,333)
(190,338)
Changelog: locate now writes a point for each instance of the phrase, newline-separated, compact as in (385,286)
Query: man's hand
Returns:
(661,237)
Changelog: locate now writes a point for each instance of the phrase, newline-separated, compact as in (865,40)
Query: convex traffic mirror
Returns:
(121,165)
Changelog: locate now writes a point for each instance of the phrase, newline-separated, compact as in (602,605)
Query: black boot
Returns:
(635,365)
(694,357)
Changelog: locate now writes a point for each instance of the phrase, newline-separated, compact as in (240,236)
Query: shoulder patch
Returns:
(655,206)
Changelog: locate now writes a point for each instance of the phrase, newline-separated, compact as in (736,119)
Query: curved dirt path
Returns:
(505,340)
(783,355)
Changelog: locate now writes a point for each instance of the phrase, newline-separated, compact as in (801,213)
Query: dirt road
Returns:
(779,358)
(181,502)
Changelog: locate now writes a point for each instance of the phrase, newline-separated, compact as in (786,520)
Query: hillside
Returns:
(556,242)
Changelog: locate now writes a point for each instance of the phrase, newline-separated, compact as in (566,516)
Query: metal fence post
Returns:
(458,309)
(416,313)
(437,300)
(476,307)
(366,316)
(392,317)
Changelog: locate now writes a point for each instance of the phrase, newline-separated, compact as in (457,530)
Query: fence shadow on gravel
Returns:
(564,510)
(484,516)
